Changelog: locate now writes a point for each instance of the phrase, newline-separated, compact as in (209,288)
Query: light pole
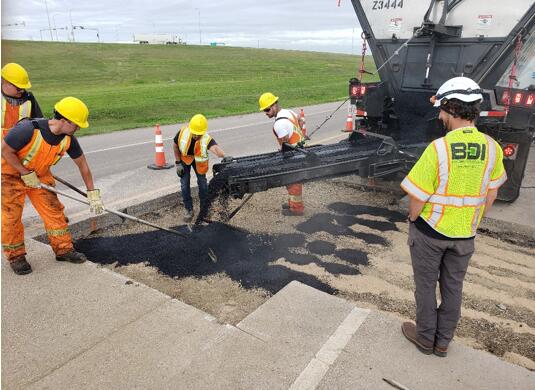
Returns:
(48,16)
(199,11)
(55,27)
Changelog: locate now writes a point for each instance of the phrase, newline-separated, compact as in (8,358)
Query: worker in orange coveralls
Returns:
(287,129)
(28,151)
(17,102)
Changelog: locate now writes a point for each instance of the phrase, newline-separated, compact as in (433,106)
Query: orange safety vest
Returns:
(200,150)
(12,114)
(297,134)
(38,155)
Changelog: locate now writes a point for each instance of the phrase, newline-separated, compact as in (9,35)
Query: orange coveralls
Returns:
(295,191)
(37,156)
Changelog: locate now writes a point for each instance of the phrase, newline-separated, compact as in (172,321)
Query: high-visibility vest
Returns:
(12,114)
(38,155)
(200,150)
(297,134)
(452,177)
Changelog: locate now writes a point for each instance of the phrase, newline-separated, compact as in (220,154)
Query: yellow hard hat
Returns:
(74,110)
(198,124)
(267,100)
(16,75)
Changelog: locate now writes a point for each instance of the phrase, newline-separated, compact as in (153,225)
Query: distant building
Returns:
(158,39)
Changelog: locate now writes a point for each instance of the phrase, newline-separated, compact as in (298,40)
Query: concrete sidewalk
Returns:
(68,326)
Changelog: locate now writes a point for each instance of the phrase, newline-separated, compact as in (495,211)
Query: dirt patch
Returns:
(350,243)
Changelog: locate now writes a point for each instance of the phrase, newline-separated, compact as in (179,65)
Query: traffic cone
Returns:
(159,158)
(304,126)
(349,119)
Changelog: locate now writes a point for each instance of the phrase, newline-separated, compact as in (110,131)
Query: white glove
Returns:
(31,180)
(95,201)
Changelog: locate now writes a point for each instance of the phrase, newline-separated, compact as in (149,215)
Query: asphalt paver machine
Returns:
(417,45)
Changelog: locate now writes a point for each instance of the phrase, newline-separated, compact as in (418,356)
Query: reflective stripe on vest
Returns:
(24,111)
(442,198)
(200,149)
(297,134)
(38,158)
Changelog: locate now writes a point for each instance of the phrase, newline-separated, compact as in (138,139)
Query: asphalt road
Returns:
(119,160)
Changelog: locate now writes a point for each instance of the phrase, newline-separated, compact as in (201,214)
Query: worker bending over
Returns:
(28,151)
(17,102)
(191,146)
(287,129)
(450,188)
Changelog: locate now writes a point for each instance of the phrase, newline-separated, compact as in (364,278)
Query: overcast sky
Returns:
(318,25)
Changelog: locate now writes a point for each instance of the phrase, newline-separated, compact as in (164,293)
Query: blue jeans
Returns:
(202,183)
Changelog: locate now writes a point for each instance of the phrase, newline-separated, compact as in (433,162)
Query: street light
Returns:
(199,11)
(54,21)
(48,16)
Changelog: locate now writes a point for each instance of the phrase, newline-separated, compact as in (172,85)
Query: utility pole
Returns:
(48,16)
(199,11)
(72,28)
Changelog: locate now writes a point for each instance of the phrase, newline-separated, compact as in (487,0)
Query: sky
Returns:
(313,25)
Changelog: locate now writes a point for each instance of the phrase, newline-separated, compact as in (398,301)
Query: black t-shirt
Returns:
(424,227)
(21,134)
(191,150)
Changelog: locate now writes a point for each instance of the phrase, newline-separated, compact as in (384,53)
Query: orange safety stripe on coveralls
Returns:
(12,114)
(38,156)
(295,191)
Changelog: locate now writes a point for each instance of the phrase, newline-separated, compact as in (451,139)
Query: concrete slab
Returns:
(145,354)
(239,361)
(298,316)
(60,311)
(379,350)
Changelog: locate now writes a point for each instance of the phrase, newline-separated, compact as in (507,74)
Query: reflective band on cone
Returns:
(304,126)
(159,157)
(349,119)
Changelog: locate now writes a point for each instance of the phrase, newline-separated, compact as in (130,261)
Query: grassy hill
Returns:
(127,86)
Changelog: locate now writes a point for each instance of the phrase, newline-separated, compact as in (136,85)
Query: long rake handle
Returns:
(118,213)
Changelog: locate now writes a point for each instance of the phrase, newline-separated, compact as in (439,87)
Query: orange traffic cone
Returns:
(349,119)
(159,159)
(304,124)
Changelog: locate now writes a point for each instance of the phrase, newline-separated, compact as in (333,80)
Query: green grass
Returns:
(127,86)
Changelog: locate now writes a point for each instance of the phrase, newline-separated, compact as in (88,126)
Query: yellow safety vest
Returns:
(452,177)
(10,118)
(200,150)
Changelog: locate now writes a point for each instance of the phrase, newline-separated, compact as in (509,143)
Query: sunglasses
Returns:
(267,109)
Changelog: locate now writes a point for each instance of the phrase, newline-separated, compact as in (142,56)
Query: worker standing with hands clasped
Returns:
(28,151)
(287,129)
(191,146)
(450,188)
(17,102)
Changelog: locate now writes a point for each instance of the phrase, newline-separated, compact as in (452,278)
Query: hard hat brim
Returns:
(270,104)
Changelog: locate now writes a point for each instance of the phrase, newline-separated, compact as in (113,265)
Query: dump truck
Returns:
(417,45)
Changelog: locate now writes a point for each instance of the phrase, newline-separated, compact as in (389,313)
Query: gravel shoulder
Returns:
(350,243)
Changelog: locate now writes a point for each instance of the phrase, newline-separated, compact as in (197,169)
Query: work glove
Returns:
(301,144)
(95,201)
(227,159)
(31,180)
(180,171)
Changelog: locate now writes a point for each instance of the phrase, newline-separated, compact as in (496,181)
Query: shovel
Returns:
(211,252)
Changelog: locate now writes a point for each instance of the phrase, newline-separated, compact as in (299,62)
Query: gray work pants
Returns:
(445,261)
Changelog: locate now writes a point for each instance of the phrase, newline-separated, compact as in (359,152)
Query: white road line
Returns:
(170,138)
(314,372)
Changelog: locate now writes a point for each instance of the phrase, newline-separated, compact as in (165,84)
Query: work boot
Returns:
(72,257)
(409,331)
(290,213)
(285,206)
(440,351)
(188,215)
(20,266)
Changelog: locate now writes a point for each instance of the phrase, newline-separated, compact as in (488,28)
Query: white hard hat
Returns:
(462,88)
